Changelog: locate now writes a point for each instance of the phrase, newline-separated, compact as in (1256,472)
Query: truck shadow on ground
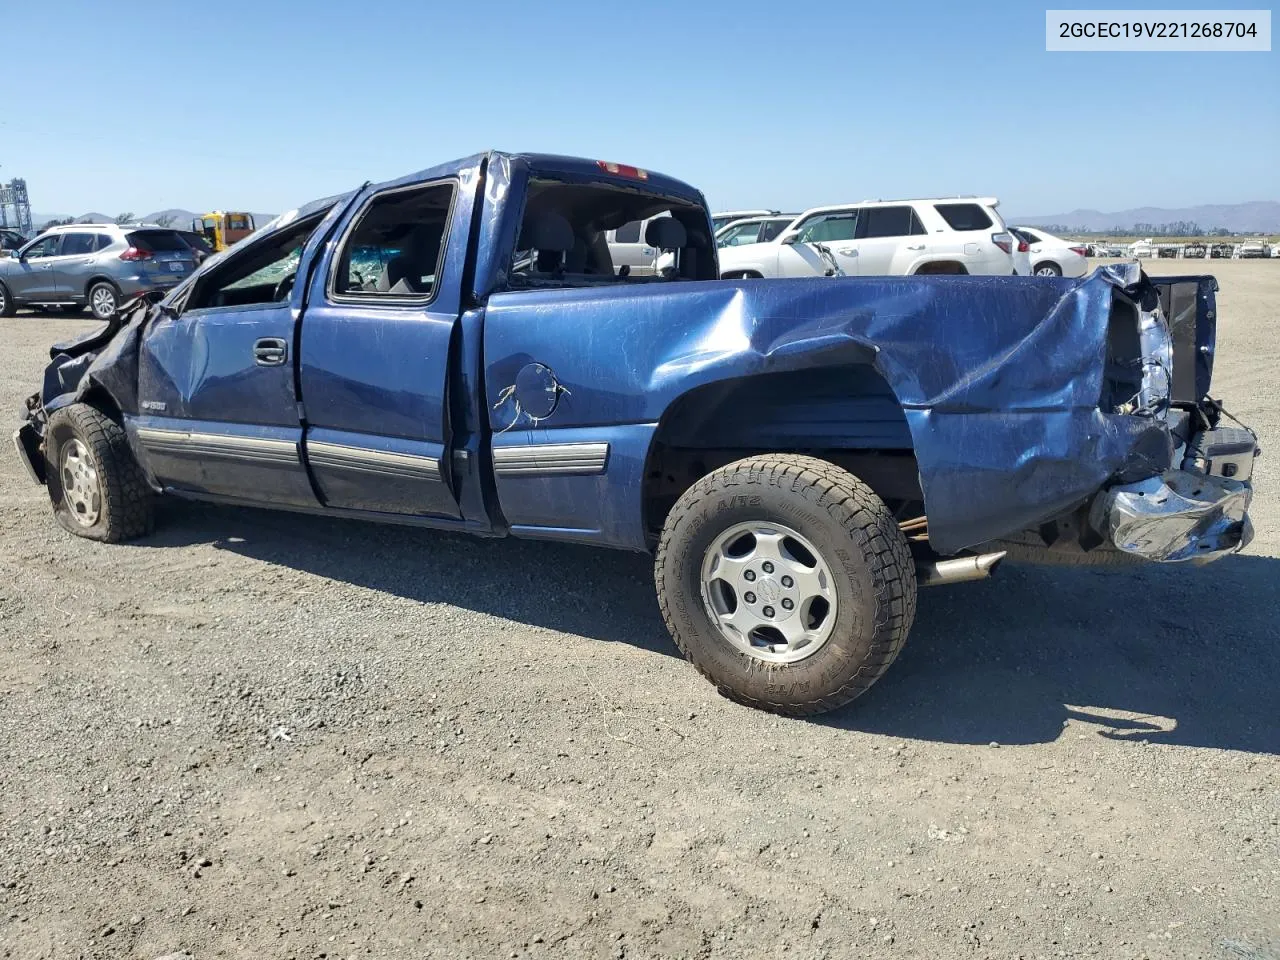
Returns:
(1165,654)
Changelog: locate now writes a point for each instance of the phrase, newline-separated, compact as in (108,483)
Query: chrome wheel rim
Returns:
(769,592)
(104,303)
(80,487)
(1046,272)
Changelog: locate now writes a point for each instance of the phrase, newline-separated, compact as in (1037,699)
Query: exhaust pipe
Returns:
(958,570)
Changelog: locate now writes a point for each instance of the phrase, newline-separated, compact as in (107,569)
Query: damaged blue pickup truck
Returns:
(457,350)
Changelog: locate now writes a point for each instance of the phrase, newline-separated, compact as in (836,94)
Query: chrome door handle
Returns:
(270,352)
(848,251)
(919,246)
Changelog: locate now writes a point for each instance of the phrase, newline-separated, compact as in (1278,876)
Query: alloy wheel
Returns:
(769,592)
(81,487)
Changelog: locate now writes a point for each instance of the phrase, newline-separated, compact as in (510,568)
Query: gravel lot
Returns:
(267,736)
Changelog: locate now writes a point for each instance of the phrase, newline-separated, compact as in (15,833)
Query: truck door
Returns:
(218,411)
(375,350)
(32,277)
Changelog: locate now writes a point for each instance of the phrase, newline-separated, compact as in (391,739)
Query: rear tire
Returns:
(1047,269)
(804,509)
(7,307)
(104,300)
(97,488)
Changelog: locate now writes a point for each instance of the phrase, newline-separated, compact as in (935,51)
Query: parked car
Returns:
(1253,250)
(1194,251)
(727,217)
(10,239)
(95,264)
(1049,256)
(798,455)
(1222,251)
(739,233)
(882,238)
(1141,249)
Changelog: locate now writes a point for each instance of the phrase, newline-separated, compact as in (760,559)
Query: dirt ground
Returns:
(257,735)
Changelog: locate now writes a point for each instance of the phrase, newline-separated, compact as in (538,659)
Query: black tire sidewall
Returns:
(821,675)
(115,294)
(1055,269)
(7,307)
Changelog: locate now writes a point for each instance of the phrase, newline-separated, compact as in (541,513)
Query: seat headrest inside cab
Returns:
(666,233)
(547,231)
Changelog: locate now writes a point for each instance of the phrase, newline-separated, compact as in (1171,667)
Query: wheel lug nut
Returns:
(787,604)
(788,582)
(749,597)
(767,611)
(749,575)
(767,567)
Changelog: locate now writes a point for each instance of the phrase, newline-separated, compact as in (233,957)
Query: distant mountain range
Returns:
(178,218)
(1258,216)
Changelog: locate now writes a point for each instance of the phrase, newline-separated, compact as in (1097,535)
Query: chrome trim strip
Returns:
(550,459)
(222,446)
(340,456)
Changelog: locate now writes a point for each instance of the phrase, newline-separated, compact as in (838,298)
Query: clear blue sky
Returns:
(261,105)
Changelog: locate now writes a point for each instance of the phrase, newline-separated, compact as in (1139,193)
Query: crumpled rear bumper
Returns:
(1179,516)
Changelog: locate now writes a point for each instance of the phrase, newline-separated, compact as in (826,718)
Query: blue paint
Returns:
(994,383)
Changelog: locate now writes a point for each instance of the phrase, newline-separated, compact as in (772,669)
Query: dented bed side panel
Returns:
(1000,379)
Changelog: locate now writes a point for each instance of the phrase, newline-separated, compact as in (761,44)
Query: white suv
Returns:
(884,237)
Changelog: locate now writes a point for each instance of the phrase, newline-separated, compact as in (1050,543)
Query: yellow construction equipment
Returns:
(222,229)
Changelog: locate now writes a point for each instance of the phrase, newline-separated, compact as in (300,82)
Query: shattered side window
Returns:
(397,244)
(257,271)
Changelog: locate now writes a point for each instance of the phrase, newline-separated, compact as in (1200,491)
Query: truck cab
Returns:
(459,349)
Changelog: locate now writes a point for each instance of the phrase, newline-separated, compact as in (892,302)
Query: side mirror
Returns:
(14,254)
(791,239)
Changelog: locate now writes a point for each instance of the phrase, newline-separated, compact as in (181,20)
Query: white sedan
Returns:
(1049,256)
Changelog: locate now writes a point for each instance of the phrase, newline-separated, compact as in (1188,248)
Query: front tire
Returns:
(7,307)
(785,580)
(1048,269)
(104,300)
(97,488)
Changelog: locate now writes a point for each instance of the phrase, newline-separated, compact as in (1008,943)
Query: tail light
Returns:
(1004,241)
(1082,251)
(1024,247)
(134,253)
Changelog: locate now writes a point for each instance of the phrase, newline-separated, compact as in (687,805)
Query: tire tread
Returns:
(128,503)
(870,526)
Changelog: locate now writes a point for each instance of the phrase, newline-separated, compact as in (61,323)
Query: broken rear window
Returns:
(562,236)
